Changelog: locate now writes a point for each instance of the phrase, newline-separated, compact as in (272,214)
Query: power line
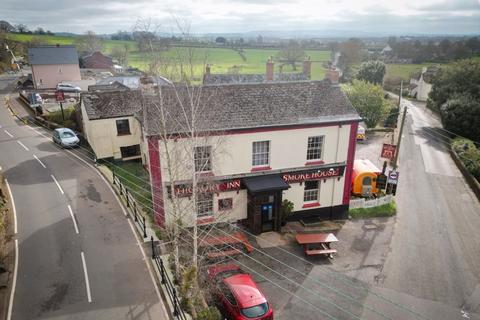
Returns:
(259,250)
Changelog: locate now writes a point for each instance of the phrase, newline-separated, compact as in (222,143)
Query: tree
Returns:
(292,53)
(372,71)
(89,42)
(461,77)
(39,30)
(461,114)
(368,100)
(21,28)
(473,44)
(220,40)
(350,54)
(121,55)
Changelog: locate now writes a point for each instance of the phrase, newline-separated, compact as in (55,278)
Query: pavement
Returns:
(78,257)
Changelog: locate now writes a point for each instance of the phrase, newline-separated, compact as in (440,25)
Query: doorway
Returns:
(267,212)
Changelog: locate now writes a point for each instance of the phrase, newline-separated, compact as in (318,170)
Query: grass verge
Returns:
(386,210)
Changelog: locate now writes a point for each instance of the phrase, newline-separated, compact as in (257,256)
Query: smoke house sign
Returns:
(313,175)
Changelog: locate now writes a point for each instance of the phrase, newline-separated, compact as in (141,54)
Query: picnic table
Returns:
(317,243)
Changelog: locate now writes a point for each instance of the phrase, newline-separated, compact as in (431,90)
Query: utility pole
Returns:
(400,94)
(395,159)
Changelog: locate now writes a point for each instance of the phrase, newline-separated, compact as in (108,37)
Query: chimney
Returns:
(270,67)
(307,67)
(333,75)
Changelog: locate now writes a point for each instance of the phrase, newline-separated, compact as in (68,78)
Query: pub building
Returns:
(266,142)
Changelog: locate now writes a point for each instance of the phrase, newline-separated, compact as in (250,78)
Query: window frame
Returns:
(314,148)
(311,194)
(203,203)
(137,154)
(203,160)
(123,132)
(256,152)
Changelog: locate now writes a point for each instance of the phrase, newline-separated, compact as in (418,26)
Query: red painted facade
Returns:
(350,158)
(156,180)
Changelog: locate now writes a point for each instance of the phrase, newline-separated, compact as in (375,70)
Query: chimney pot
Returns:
(333,75)
(307,67)
(270,69)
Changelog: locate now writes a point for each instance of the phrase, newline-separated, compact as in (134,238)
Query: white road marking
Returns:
(13,206)
(14,282)
(24,146)
(157,291)
(58,184)
(40,161)
(10,135)
(87,284)
(148,265)
(73,218)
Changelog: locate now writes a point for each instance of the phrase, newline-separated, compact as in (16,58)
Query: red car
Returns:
(238,294)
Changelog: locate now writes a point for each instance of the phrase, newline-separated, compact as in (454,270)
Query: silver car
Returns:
(65,137)
(67,87)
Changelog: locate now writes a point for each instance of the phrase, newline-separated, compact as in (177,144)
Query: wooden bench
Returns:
(223,253)
(329,252)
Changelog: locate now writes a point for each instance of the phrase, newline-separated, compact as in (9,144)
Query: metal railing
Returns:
(132,204)
(168,284)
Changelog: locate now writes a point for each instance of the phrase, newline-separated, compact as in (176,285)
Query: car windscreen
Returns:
(255,311)
(67,134)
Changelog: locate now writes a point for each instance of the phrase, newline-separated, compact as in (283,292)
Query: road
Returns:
(78,256)
(434,261)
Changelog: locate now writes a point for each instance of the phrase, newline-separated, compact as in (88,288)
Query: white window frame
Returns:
(262,152)
(311,195)
(204,205)
(204,160)
(314,148)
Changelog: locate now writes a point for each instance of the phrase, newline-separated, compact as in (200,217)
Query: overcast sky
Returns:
(226,16)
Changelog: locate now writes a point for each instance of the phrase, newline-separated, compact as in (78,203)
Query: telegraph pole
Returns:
(395,158)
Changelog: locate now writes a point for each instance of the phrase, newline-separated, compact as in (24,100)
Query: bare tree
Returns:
(121,54)
(89,42)
(291,53)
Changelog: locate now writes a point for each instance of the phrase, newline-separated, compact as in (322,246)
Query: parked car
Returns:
(361,133)
(237,294)
(65,137)
(67,87)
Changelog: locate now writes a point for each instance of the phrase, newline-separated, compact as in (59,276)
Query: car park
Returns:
(65,138)
(237,294)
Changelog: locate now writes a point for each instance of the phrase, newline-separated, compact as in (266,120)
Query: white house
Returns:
(419,87)
(262,143)
(109,125)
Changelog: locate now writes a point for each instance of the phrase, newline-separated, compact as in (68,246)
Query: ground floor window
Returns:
(130,151)
(204,204)
(311,191)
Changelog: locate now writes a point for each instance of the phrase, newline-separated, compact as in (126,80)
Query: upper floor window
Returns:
(310,192)
(204,204)
(203,159)
(261,153)
(314,147)
(123,127)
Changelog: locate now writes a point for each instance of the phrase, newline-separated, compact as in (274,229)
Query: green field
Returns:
(221,59)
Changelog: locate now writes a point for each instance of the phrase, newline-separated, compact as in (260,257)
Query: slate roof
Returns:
(247,106)
(114,86)
(224,78)
(133,82)
(53,55)
(105,105)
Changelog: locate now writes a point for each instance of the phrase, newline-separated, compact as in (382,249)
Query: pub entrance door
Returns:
(268,214)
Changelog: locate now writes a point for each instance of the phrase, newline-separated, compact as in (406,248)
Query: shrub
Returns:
(386,210)
(469,154)
(210,313)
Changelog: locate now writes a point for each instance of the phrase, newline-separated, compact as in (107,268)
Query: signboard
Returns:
(322,173)
(392,177)
(388,151)
(220,186)
(59,96)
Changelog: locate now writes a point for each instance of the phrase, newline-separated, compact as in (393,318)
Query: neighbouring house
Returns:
(268,76)
(52,65)
(260,143)
(96,60)
(420,86)
(386,50)
(109,125)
